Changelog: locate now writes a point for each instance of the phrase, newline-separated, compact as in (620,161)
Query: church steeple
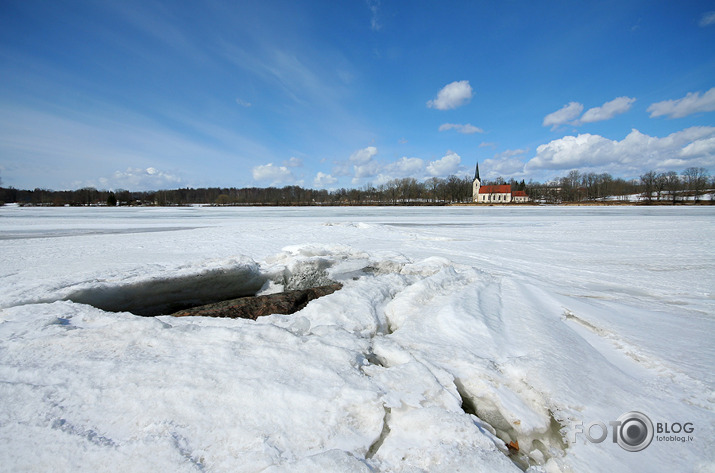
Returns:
(476,184)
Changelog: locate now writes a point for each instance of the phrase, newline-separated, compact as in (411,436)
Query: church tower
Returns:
(476,185)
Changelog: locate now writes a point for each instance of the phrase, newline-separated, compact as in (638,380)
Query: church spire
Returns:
(476,173)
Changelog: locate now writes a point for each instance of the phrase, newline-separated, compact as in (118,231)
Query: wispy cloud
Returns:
(374,6)
(692,103)
(139,179)
(502,167)
(608,110)
(90,144)
(569,113)
(510,153)
(294,71)
(152,20)
(466,129)
(452,95)
(566,114)
(707,19)
(293,162)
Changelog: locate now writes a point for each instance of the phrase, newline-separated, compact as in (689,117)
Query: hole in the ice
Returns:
(225,292)
(287,302)
(166,295)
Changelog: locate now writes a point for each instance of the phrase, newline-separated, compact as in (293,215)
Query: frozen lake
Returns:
(458,330)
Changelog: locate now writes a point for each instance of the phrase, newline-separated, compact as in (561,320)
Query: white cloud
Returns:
(568,113)
(608,110)
(698,148)
(243,103)
(382,172)
(293,162)
(634,154)
(368,169)
(365,167)
(693,102)
(452,95)
(448,164)
(502,166)
(467,129)
(272,173)
(140,179)
(323,180)
(363,156)
(707,19)
(405,167)
(363,164)
(572,152)
(510,153)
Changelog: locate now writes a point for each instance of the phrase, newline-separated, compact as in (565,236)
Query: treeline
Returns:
(669,186)
(672,187)
(690,185)
(434,191)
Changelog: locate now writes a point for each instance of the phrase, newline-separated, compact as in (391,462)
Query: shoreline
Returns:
(397,204)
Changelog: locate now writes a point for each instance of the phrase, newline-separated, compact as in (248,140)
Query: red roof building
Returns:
(496,189)
(499,194)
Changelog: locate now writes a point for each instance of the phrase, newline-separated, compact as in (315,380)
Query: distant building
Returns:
(496,194)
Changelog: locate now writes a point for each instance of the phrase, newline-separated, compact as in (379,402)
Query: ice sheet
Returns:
(457,330)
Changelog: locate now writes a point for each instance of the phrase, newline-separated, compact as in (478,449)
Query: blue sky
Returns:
(150,94)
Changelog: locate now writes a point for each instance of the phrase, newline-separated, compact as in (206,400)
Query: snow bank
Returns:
(129,393)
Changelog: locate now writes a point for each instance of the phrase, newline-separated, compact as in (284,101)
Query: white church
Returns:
(495,194)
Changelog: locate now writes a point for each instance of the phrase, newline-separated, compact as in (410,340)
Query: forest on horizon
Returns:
(670,186)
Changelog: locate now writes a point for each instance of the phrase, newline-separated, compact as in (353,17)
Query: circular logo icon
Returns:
(635,432)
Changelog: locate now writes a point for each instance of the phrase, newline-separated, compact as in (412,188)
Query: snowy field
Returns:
(458,330)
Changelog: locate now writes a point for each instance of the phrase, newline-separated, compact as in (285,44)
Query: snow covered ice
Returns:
(458,330)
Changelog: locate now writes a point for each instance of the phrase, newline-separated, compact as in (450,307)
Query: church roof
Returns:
(497,189)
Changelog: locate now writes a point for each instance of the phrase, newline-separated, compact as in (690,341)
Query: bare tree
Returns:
(672,184)
(696,180)
(660,183)
(570,186)
(648,180)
